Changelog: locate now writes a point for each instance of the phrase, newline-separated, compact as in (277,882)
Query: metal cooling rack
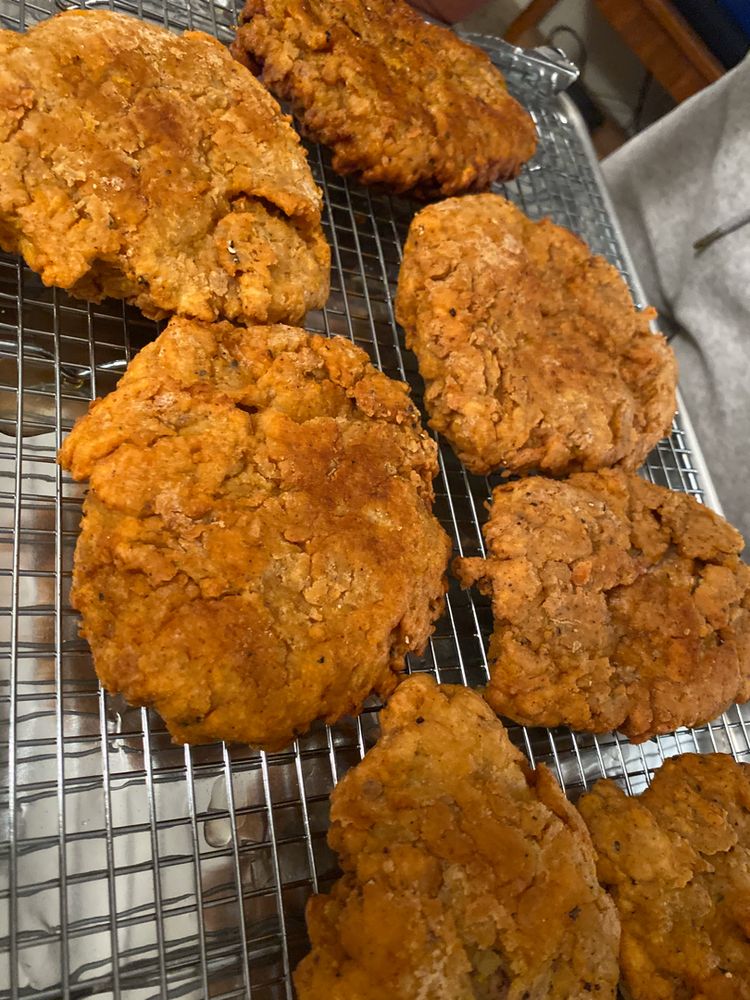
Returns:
(134,868)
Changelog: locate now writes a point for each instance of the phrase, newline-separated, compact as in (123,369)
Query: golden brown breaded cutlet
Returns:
(400,102)
(532,352)
(258,547)
(617,604)
(153,168)
(676,860)
(467,875)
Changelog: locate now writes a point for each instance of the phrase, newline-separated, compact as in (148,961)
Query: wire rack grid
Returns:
(135,868)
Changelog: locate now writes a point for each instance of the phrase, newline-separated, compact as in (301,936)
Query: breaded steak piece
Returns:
(617,604)
(467,875)
(676,860)
(532,352)
(152,168)
(258,547)
(400,102)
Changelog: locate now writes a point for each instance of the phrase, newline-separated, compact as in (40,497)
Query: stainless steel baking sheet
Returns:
(134,868)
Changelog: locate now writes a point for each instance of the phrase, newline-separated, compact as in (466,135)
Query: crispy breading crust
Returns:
(532,352)
(467,876)
(153,168)
(258,547)
(400,102)
(676,860)
(616,604)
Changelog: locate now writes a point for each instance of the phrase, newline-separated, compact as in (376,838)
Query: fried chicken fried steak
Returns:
(400,102)
(153,168)
(617,604)
(258,547)
(533,354)
(676,860)
(467,875)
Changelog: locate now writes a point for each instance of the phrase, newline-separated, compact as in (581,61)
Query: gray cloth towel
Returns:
(672,184)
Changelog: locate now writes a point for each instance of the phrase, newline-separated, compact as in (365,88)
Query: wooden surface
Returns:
(665,44)
(529,17)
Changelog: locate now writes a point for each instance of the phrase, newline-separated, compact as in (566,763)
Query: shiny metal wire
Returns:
(134,868)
